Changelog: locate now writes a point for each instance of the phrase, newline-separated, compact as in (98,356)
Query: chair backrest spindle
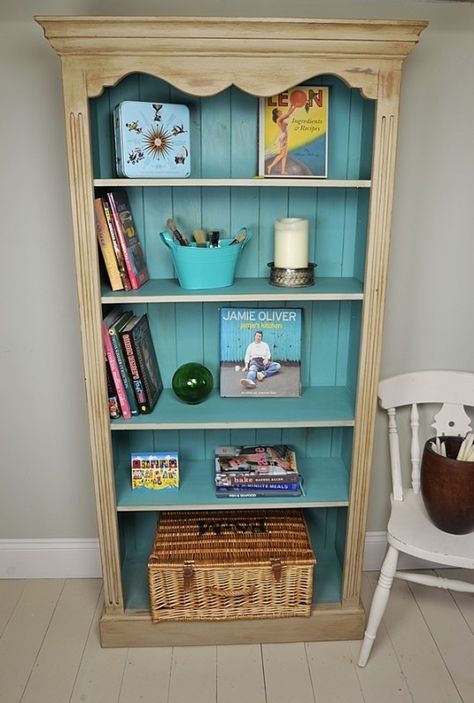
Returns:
(415,448)
(394,445)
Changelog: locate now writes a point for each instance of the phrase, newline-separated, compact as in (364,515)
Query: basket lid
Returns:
(244,537)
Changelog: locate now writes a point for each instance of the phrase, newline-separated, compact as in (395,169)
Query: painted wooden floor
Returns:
(50,653)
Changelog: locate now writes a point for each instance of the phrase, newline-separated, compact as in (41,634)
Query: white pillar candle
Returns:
(291,243)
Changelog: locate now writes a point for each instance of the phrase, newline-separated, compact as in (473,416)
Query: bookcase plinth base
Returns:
(135,629)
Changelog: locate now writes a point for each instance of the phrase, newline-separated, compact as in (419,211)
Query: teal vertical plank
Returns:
(350,228)
(361,228)
(187,209)
(330,231)
(338,129)
(343,342)
(189,340)
(297,438)
(210,331)
(269,436)
(324,335)
(162,320)
(243,437)
(367,144)
(273,206)
(306,339)
(215,136)
(354,345)
(215,203)
(244,212)
(356,118)
(346,449)
(165,440)
(319,442)
(340,533)
(153,90)
(103,151)
(157,208)
(244,134)
(192,445)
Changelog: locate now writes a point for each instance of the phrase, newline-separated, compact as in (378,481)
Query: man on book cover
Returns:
(258,364)
(260,352)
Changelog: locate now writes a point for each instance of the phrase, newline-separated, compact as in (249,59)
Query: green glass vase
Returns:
(192,382)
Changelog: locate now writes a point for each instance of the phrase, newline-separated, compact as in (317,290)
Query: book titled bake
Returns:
(142,362)
(293,129)
(256,471)
(260,352)
(128,238)
(156,471)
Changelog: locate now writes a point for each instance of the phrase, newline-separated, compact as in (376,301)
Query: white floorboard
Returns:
(50,653)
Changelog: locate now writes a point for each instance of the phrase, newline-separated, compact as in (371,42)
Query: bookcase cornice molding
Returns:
(203,56)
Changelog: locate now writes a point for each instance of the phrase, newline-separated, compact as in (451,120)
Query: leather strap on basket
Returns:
(276,569)
(188,573)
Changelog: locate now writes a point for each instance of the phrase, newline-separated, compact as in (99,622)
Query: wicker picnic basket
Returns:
(229,565)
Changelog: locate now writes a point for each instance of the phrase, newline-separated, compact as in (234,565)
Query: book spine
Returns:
(116,245)
(123,368)
(115,371)
(114,404)
(257,494)
(122,237)
(134,372)
(275,487)
(255,479)
(106,246)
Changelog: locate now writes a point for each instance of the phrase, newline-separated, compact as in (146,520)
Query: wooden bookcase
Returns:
(218,67)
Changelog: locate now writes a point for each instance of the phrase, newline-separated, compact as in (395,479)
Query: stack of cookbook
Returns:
(257,471)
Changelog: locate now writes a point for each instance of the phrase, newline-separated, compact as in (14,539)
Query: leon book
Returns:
(293,141)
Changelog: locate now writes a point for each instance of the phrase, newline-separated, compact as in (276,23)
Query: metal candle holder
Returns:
(292,278)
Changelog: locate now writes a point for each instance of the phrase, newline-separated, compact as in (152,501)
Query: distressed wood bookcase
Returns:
(219,67)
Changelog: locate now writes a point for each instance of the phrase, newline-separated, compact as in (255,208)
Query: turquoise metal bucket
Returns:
(205,267)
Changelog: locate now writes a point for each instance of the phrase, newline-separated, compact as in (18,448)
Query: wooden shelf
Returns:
(321,406)
(257,182)
(243,289)
(325,482)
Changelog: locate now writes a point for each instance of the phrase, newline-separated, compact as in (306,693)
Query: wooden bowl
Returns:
(447,488)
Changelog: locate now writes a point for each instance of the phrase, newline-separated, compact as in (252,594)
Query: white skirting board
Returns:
(80,558)
(49,558)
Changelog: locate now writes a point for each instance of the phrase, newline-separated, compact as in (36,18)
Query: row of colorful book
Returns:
(257,471)
(121,250)
(133,375)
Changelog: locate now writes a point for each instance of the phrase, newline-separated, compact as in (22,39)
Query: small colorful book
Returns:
(127,235)
(157,471)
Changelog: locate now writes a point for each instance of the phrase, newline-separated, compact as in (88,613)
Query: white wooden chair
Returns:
(410,530)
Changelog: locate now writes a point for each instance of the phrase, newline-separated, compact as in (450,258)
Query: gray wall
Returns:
(46,482)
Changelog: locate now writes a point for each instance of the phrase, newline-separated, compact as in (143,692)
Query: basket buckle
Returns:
(276,569)
(188,573)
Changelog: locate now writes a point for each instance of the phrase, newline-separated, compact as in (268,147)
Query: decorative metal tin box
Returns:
(228,565)
(152,140)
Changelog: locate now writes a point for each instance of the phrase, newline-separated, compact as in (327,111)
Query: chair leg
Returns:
(379,603)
